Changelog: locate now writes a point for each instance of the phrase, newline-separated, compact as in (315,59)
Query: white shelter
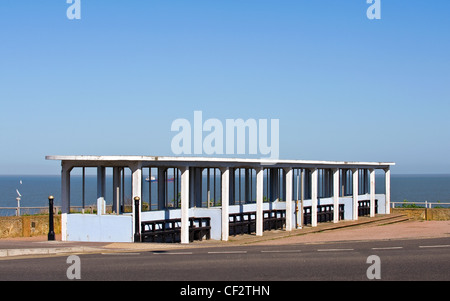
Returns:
(305,191)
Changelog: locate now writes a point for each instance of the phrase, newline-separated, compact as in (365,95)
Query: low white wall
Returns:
(216,220)
(381,203)
(97,228)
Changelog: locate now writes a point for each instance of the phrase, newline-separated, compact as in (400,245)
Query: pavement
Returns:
(380,227)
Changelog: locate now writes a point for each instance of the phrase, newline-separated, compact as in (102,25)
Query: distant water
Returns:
(36,189)
(420,188)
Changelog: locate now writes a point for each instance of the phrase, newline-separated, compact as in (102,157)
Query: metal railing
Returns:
(424,204)
(20,211)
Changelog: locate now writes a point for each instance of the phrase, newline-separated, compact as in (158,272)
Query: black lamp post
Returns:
(137,234)
(51,230)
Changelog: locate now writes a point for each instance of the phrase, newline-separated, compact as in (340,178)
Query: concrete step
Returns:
(378,220)
(389,219)
(382,219)
(392,219)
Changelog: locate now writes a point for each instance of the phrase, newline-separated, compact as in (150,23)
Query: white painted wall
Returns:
(98,228)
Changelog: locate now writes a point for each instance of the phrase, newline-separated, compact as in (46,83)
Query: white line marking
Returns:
(387,248)
(333,250)
(121,254)
(282,251)
(436,246)
(173,253)
(228,252)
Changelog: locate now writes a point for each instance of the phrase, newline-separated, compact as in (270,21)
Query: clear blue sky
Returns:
(343,87)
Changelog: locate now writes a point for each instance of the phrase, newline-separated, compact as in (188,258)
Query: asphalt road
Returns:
(415,259)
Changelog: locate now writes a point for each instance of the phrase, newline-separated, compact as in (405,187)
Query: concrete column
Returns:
(198,181)
(137,181)
(307,184)
(388,189)
(225,203)
(232,186)
(289,184)
(101,190)
(184,205)
(259,201)
(162,188)
(314,182)
(65,198)
(366,180)
(116,190)
(65,188)
(344,182)
(191,187)
(101,182)
(302,198)
(355,194)
(372,192)
(326,181)
(273,182)
(247,185)
(335,195)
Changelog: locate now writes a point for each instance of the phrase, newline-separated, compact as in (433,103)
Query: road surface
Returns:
(402,259)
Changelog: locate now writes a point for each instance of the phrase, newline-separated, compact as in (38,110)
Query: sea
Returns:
(35,190)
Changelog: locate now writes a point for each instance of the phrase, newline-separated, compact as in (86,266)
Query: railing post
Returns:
(51,230)
(137,234)
(18,206)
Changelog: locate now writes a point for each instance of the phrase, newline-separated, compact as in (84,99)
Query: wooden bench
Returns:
(274,219)
(242,222)
(364,207)
(199,227)
(325,213)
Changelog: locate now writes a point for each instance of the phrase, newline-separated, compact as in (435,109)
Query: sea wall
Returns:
(426,214)
(27,226)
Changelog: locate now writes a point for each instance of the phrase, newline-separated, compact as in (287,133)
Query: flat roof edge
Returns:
(262,161)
